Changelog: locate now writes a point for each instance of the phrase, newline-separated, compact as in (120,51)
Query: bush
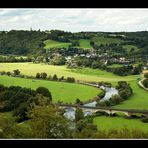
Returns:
(70,79)
(115,99)
(101,94)
(145,82)
(38,75)
(61,79)
(44,91)
(16,72)
(146,75)
(55,78)
(145,119)
(43,75)
(3,73)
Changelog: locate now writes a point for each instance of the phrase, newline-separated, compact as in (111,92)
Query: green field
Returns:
(84,43)
(66,92)
(107,123)
(139,100)
(85,74)
(102,40)
(115,65)
(129,47)
(55,44)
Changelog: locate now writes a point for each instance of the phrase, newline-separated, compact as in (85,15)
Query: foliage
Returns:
(47,123)
(16,72)
(146,75)
(22,42)
(145,82)
(44,91)
(79,114)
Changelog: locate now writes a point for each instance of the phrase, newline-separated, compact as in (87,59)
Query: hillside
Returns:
(35,42)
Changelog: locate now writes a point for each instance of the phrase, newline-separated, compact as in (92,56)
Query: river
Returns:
(109,91)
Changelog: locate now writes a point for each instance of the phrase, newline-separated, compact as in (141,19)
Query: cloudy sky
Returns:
(75,20)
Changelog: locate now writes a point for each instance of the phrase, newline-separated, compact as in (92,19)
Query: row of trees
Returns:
(54,77)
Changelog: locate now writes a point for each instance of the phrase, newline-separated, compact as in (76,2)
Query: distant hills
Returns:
(38,42)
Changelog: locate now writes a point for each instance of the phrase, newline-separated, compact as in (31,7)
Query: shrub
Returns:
(38,75)
(44,91)
(101,94)
(146,75)
(61,79)
(55,78)
(115,99)
(43,75)
(70,79)
(145,82)
(16,72)
(145,119)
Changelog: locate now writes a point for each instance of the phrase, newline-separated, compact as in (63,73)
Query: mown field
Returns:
(53,44)
(66,92)
(85,74)
(107,123)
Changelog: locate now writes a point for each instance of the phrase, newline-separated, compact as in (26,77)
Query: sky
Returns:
(74,20)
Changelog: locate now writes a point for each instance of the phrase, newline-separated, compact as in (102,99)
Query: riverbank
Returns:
(141,84)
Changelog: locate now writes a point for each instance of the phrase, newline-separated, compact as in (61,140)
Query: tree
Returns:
(70,79)
(79,114)
(145,82)
(38,75)
(78,101)
(43,75)
(115,99)
(58,60)
(146,75)
(8,73)
(61,79)
(44,91)
(55,78)
(47,123)
(125,93)
(101,94)
(92,43)
(16,72)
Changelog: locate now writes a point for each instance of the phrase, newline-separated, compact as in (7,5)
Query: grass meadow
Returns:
(61,91)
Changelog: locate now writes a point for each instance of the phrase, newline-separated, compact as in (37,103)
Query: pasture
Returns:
(107,123)
(55,44)
(84,74)
(102,40)
(66,92)
(139,99)
(84,43)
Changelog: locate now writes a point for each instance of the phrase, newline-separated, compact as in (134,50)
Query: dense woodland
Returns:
(26,42)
